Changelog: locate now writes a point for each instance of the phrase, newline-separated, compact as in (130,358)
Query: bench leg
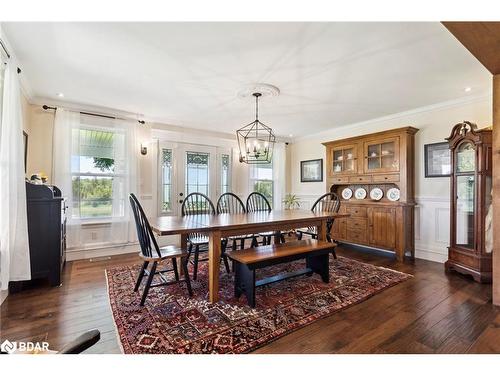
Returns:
(237,281)
(319,265)
(244,282)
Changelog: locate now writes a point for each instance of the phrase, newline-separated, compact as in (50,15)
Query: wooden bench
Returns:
(315,252)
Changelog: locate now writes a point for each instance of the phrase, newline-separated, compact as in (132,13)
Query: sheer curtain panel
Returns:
(14,247)
(95,162)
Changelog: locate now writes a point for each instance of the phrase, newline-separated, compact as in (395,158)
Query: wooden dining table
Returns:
(226,225)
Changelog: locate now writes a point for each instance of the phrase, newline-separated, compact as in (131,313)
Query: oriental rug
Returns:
(171,322)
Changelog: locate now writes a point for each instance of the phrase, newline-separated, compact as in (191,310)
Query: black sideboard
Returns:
(47,233)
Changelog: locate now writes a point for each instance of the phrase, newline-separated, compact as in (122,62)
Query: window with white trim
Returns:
(97,173)
(261,180)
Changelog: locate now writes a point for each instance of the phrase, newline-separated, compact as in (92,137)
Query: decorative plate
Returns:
(393,194)
(347,193)
(360,193)
(376,194)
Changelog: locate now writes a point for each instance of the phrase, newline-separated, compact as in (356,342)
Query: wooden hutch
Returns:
(382,160)
(471,188)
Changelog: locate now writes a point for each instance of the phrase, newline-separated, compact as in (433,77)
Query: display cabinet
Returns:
(470,200)
(383,162)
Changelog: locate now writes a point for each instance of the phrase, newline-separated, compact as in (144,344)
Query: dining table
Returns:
(225,225)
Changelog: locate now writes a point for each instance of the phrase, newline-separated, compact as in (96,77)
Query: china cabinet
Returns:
(470,200)
(383,160)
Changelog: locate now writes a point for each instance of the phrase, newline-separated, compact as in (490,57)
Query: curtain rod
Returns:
(46,107)
(4,47)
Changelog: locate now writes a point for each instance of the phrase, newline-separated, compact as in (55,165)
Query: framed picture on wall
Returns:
(311,170)
(437,160)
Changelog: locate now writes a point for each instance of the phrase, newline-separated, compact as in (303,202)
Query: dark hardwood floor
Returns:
(432,313)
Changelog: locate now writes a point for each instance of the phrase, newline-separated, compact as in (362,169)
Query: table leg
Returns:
(321,228)
(277,237)
(183,246)
(214,251)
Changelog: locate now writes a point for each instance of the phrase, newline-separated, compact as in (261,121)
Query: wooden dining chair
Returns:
(328,202)
(230,203)
(200,204)
(152,253)
(258,202)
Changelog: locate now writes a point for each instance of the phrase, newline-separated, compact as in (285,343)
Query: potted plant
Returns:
(291,202)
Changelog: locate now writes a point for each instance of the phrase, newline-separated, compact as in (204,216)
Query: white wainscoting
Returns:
(432,226)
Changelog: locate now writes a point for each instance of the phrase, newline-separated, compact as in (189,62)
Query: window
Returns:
(225,175)
(197,172)
(166,169)
(261,180)
(97,178)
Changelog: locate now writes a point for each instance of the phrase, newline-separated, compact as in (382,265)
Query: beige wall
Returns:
(39,125)
(432,194)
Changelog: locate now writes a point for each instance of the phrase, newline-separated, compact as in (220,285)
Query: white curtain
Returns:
(14,247)
(126,148)
(279,173)
(64,124)
(119,228)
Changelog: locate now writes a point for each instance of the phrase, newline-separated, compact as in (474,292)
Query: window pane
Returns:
(93,151)
(167,179)
(197,172)
(261,176)
(92,197)
(225,174)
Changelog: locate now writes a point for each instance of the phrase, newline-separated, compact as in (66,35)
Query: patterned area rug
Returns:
(170,322)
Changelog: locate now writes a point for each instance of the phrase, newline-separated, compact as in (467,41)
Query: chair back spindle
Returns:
(328,202)
(257,202)
(229,203)
(145,234)
(197,204)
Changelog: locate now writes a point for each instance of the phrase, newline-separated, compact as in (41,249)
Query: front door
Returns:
(184,169)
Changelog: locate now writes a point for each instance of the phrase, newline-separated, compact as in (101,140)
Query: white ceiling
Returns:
(189,74)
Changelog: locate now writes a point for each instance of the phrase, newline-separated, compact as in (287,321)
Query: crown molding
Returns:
(26,88)
(429,108)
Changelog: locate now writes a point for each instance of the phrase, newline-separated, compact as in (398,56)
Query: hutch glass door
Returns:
(382,156)
(344,160)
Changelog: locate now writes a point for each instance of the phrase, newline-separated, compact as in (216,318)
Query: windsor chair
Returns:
(152,253)
(328,202)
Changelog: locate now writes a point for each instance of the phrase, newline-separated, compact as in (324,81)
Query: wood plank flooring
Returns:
(432,313)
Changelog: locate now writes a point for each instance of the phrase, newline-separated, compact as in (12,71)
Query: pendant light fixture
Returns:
(256,140)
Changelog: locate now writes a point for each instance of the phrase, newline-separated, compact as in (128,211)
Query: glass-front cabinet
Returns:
(470,201)
(382,155)
(344,160)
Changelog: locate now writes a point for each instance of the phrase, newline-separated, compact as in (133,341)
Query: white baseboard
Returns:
(3,295)
(432,255)
(101,252)
(109,250)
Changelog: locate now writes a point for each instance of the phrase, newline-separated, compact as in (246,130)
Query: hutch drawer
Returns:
(386,178)
(356,211)
(360,179)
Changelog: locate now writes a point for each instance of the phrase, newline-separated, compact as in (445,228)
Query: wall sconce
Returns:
(144,149)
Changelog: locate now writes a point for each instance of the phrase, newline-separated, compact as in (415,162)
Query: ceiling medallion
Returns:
(256,140)
(264,89)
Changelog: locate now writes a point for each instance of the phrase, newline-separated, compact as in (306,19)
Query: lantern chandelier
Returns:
(256,140)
